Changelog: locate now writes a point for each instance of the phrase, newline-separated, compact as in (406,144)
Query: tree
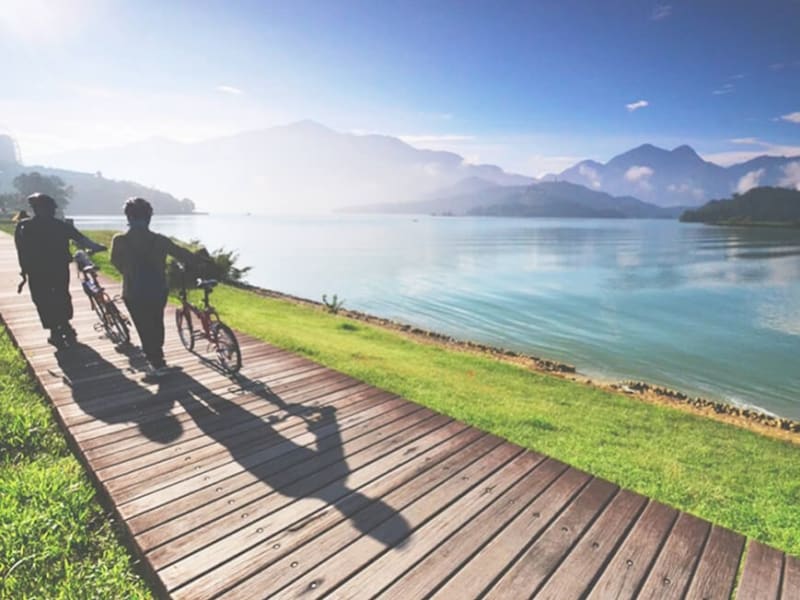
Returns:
(36,183)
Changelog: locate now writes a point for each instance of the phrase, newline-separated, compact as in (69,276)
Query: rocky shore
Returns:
(748,418)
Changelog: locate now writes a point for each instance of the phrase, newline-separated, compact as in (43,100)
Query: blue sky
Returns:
(532,86)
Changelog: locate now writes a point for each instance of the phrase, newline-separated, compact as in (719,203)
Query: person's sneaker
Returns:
(155,373)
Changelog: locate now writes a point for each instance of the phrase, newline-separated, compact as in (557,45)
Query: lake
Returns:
(710,311)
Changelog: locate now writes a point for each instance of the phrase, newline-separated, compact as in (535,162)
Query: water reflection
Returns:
(710,310)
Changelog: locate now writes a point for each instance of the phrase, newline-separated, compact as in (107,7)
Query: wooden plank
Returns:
(763,571)
(301,523)
(624,574)
(790,587)
(534,565)
(364,542)
(500,487)
(716,573)
(279,494)
(574,577)
(201,495)
(427,574)
(669,578)
(126,489)
(472,578)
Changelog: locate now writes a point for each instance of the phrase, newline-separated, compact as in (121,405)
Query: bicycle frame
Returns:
(207,315)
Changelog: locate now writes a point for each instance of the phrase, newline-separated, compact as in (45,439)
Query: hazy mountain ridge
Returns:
(545,199)
(303,166)
(91,192)
(677,177)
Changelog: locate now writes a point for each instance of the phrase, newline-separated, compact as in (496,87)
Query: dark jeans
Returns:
(50,293)
(148,318)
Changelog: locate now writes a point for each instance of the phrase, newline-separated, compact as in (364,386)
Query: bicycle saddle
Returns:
(207,284)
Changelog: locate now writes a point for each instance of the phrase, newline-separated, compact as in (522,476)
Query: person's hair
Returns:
(42,204)
(138,208)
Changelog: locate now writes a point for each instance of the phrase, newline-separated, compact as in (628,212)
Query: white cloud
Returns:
(791,175)
(637,105)
(749,181)
(792,117)
(591,174)
(725,89)
(229,89)
(640,176)
(761,148)
(661,11)
(685,188)
(638,173)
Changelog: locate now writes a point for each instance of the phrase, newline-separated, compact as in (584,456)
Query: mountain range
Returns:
(302,167)
(479,197)
(91,192)
(679,176)
(308,167)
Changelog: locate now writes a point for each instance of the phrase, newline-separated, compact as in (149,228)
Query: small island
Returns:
(758,207)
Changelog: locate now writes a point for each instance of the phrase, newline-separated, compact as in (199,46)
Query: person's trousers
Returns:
(148,318)
(50,294)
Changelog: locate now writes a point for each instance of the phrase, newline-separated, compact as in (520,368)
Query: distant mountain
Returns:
(301,167)
(762,205)
(545,199)
(91,192)
(677,177)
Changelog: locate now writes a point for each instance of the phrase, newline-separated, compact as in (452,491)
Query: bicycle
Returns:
(219,336)
(112,321)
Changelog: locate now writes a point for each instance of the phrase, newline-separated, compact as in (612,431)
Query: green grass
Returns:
(730,476)
(55,539)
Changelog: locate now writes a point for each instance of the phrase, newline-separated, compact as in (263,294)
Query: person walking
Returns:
(42,243)
(140,255)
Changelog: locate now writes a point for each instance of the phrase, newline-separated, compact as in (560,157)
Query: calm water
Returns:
(711,311)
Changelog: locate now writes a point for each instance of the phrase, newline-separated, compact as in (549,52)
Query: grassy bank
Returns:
(727,475)
(55,539)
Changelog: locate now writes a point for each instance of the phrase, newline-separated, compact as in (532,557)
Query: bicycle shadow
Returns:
(318,470)
(109,394)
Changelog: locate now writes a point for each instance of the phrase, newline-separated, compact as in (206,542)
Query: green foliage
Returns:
(768,205)
(334,305)
(55,539)
(52,185)
(219,264)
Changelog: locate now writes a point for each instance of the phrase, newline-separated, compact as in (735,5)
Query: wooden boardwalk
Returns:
(298,481)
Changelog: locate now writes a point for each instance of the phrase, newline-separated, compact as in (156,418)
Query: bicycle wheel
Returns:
(115,325)
(228,353)
(183,320)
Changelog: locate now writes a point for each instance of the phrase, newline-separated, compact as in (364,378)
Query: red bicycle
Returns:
(220,338)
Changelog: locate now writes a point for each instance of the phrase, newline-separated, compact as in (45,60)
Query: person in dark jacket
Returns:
(44,257)
(141,255)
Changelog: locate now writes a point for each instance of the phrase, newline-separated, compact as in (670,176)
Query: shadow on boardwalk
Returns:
(314,470)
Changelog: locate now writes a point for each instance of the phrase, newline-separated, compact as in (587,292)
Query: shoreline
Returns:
(744,417)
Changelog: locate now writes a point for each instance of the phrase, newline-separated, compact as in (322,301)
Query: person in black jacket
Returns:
(44,257)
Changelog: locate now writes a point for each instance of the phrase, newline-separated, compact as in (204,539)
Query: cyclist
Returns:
(140,255)
(44,257)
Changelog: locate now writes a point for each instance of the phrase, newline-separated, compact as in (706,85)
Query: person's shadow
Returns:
(113,395)
(103,391)
(299,471)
